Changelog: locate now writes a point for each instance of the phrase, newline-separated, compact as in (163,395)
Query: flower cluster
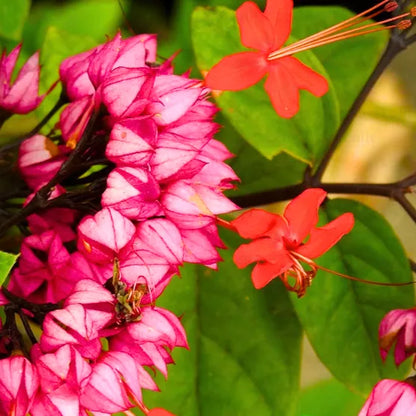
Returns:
(90,273)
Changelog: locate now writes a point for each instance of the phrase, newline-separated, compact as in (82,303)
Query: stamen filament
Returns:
(342,25)
(337,32)
(370,282)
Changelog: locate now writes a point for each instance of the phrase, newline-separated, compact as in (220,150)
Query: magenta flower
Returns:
(390,398)
(60,220)
(398,327)
(83,73)
(102,236)
(41,275)
(22,95)
(19,382)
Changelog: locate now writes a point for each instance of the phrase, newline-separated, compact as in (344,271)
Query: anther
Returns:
(413,11)
(391,6)
(404,24)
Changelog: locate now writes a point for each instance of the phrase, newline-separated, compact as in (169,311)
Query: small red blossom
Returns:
(278,244)
(266,33)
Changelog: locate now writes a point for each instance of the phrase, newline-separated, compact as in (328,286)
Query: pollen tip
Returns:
(413,11)
(404,24)
(391,6)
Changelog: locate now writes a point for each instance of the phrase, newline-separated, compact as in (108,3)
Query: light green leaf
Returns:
(7,261)
(244,345)
(13,14)
(341,317)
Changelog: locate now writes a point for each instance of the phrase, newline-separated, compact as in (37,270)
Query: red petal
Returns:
(302,213)
(323,238)
(254,223)
(264,249)
(256,30)
(283,92)
(263,273)
(304,77)
(236,72)
(279,13)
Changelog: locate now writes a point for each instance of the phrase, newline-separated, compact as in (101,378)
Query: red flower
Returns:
(278,244)
(266,33)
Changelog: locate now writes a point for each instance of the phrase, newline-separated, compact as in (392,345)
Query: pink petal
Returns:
(102,236)
(323,238)
(237,72)
(256,30)
(302,213)
(132,142)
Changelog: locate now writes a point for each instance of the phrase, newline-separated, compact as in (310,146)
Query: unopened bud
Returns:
(404,24)
(391,6)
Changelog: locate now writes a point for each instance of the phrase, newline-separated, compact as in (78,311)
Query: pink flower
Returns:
(83,73)
(133,192)
(41,275)
(22,95)
(146,340)
(390,398)
(19,382)
(278,241)
(39,160)
(398,327)
(60,220)
(102,236)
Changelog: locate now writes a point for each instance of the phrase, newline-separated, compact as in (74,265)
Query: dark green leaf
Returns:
(304,136)
(341,317)
(329,398)
(257,173)
(7,261)
(244,345)
(13,14)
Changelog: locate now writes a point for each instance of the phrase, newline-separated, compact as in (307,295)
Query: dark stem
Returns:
(39,201)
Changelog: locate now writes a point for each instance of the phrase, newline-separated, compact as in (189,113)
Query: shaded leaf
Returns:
(341,317)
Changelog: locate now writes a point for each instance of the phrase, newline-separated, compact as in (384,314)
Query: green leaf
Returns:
(88,18)
(257,173)
(7,261)
(348,63)
(244,345)
(328,398)
(341,317)
(13,14)
(304,136)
